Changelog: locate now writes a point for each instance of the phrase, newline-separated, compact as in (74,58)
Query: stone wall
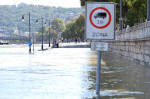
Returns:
(133,43)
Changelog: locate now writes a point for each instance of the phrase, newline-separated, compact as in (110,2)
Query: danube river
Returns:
(69,73)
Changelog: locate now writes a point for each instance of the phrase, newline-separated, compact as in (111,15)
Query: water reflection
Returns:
(123,78)
(69,74)
(120,78)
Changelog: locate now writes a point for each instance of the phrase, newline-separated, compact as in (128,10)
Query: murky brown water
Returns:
(123,79)
(69,74)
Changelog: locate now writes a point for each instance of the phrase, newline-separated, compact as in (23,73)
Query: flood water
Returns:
(69,73)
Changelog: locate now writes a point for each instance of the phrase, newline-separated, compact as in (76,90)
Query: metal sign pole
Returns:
(148,10)
(98,72)
(33,42)
(100,25)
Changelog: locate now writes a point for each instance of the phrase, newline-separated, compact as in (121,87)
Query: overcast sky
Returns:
(57,3)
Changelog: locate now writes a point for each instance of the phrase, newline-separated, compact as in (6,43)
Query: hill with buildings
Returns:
(11,16)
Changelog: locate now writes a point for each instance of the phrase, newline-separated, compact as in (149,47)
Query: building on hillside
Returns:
(1,30)
(2,33)
(16,31)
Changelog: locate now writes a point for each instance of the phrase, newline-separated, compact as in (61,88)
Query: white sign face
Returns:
(99,46)
(100,21)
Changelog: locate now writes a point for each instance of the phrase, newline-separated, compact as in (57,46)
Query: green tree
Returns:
(70,31)
(131,8)
(58,25)
(75,28)
(44,29)
(137,8)
(66,34)
(11,17)
(52,31)
(80,22)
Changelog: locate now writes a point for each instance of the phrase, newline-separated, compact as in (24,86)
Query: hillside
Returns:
(10,16)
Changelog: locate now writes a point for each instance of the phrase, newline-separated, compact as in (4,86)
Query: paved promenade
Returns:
(74,45)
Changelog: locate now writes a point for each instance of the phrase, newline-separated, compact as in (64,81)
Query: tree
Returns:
(80,22)
(66,34)
(10,16)
(75,28)
(51,34)
(44,29)
(70,31)
(138,8)
(131,8)
(58,25)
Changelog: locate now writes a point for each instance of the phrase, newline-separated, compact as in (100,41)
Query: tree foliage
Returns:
(58,24)
(133,10)
(44,29)
(75,28)
(10,16)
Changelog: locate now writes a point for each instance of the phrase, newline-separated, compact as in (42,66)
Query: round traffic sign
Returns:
(100,17)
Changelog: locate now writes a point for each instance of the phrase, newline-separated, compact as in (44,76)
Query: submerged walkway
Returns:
(74,45)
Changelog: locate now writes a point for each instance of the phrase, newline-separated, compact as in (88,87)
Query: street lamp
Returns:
(49,33)
(148,10)
(53,34)
(42,31)
(29,30)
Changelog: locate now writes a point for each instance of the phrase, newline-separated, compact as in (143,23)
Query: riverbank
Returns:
(74,45)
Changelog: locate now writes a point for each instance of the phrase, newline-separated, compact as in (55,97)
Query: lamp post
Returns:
(53,35)
(120,15)
(42,31)
(49,34)
(29,30)
(148,10)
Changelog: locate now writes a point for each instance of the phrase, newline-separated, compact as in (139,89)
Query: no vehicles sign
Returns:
(100,20)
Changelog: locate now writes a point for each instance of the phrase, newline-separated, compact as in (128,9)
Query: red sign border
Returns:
(100,27)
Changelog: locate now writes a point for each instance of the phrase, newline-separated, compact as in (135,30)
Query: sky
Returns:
(57,3)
